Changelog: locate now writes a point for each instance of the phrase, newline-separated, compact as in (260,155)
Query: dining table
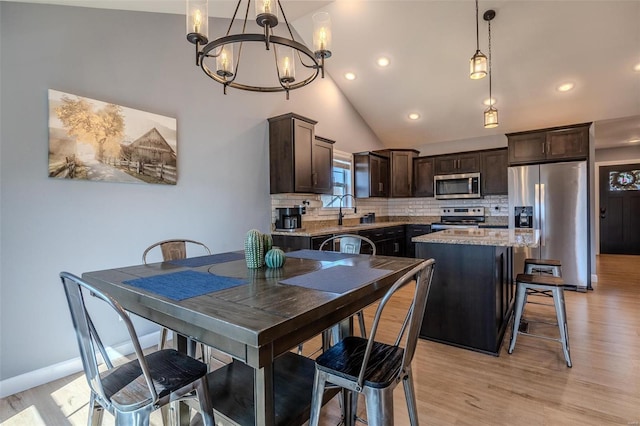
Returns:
(257,316)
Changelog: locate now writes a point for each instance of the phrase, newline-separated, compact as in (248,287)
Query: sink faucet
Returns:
(340,214)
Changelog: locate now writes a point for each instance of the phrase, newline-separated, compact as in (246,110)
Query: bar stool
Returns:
(543,266)
(545,284)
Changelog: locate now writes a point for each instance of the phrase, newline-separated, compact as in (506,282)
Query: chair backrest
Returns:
(173,249)
(89,340)
(349,243)
(423,273)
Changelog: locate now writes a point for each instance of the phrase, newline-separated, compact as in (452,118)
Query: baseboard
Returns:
(62,369)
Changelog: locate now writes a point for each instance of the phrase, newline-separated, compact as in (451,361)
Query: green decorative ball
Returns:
(275,258)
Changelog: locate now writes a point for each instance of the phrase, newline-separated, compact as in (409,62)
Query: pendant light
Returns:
(490,114)
(478,62)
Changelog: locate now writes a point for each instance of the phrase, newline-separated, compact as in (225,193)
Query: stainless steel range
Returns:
(459,217)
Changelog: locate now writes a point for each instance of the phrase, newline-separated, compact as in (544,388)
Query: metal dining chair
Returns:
(131,391)
(174,250)
(365,366)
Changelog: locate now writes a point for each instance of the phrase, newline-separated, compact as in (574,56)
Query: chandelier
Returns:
(478,62)
(220,59)
(491,113)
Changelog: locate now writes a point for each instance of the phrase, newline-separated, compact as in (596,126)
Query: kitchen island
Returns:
(471,297)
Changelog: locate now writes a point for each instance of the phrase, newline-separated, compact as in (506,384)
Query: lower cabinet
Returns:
(471,295)
(295,242)
(414,231)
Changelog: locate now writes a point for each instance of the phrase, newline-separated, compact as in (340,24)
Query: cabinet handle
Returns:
(544,145)
(380,186)
(315,178)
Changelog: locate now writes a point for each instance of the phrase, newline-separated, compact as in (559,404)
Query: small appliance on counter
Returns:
(459,217)
(289,218)
(368,218)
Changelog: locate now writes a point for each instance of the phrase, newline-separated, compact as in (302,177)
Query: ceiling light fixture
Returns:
(414,116)
(350,76)
(490,114)
(383,62)
(478,62)
(637,67)
(216,58)
(565,87)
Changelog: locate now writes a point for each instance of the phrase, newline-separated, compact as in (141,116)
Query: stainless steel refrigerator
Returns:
(553,198)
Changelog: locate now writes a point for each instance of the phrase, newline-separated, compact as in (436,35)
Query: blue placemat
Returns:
(327,256)
(184,284)
(337,279)
(194,262)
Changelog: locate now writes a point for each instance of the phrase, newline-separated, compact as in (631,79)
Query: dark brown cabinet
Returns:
(493,171)
(298,160)
(400,171)
(371,175)
(549,145)
(465,162)
(423,177)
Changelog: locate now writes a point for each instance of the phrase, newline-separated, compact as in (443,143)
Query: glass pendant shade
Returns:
(490,118)
(224,61)
(286,65)
(267,7)
(198,18)
(321,32)
(478,66)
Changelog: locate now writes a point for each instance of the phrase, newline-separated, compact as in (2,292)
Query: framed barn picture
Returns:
(100,141)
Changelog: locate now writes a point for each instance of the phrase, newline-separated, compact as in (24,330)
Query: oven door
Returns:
(447,187)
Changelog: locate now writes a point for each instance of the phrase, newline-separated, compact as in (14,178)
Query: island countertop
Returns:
(484,237)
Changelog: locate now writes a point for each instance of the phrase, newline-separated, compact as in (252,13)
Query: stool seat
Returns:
(551,285)
(546,262)
(548,280)
(543,266)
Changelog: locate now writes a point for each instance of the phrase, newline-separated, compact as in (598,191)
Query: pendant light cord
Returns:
(490,97)
(477,29)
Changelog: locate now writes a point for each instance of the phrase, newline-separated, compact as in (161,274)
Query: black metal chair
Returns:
(131,391)
(176,249)
(365,366)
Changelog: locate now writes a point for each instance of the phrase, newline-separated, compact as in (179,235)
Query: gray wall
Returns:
(631,152)
(143,61)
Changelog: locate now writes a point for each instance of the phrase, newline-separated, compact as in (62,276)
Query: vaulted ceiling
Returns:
(536,46)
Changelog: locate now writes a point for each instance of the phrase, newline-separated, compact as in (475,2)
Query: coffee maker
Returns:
(289,218)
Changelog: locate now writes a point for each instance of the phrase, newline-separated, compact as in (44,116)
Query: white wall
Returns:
(138,60)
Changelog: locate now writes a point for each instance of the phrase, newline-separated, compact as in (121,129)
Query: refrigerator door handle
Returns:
(542,215)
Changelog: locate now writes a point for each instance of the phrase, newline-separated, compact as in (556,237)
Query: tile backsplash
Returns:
(495,206)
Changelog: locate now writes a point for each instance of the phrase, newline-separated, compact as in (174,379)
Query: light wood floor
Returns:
(532,386)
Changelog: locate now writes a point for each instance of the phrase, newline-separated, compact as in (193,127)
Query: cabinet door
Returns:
(375,179)
(468,162)
(383,181)
(569,144)
(322,176)
(401,173)
(446,164)
(527,148)
(303,141)
(423,177)
(494,172)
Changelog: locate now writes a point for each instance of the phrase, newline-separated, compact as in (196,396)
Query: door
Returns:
(620,209)
(564,219)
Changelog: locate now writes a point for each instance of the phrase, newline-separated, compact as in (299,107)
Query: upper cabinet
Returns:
(423,177)
(450,164)
(371,175)
(549,145)
(400,171)
(493,172)
(298,160)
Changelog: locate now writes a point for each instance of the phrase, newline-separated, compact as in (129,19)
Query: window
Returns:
(342,181)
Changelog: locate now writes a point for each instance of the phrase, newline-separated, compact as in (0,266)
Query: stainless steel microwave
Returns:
(465,185)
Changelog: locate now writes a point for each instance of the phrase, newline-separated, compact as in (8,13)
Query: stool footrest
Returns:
(545,262)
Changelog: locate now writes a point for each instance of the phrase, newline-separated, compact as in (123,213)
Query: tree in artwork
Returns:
(103,128)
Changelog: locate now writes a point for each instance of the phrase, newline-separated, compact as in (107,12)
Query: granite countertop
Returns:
(311,229)
(483,237)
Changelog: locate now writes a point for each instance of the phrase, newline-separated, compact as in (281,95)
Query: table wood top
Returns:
(258,321)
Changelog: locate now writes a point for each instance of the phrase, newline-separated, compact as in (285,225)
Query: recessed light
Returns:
(565,87)
(637,67)
(414,116)
(383,62)
(350,76)
(634,141)
(490,101)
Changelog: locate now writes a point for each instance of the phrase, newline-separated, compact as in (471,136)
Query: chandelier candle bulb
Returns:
(198,21)
(322,33)
(287,65)
(224,62)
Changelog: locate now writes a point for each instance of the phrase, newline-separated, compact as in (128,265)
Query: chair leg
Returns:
(558,301)
(379,406)
(139,417)
(410,396)
(96,411)
(363,330)
(204,399)
(163,338)
(520,300)
(316,398)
